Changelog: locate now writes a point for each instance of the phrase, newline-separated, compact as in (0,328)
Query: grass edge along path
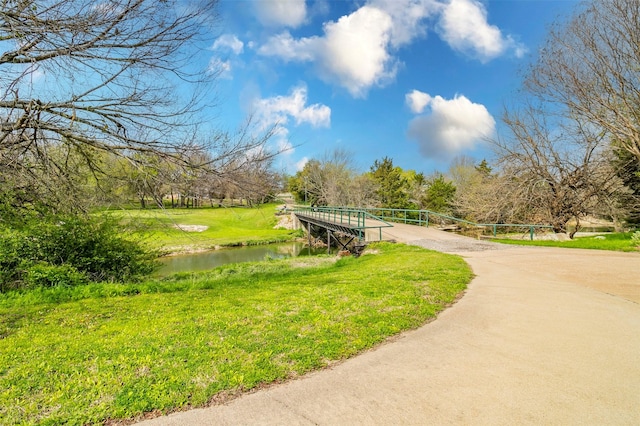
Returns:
(620,241)
(190,339)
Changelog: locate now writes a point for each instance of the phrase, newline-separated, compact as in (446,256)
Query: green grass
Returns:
(98,352)
(615,242)
(226,227)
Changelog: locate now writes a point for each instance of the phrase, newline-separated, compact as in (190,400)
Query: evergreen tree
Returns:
(392,186)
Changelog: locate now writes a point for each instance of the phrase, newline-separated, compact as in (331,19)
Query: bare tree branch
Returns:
(591,67)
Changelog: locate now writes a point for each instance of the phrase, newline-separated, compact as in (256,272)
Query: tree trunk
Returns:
(577,227)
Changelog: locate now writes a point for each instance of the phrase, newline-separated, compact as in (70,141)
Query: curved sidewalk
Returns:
(542,336)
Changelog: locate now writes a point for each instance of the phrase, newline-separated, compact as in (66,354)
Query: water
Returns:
(211,259)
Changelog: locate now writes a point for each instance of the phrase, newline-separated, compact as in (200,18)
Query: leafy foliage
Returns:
(69,250)
(47,275)
(392,186)
(439,194)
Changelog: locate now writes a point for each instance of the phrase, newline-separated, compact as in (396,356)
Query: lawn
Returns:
(106,352)
(615,242)
(169,229)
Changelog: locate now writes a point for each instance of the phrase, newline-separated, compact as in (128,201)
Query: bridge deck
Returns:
(356,223)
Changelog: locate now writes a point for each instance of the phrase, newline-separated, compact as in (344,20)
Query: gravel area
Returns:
(459,245)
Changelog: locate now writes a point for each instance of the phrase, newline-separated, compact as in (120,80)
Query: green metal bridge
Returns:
(368,223)
(353,223)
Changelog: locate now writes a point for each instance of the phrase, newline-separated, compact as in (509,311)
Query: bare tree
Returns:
(362,191)
(330,181)
(590,67)
(477,188)
(554,169)
(86,77)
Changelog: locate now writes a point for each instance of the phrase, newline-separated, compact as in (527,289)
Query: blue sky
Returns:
(419,81)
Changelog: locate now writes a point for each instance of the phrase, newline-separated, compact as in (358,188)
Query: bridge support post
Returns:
(328,241)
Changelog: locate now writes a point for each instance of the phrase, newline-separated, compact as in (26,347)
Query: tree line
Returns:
(91,114)
(570,149)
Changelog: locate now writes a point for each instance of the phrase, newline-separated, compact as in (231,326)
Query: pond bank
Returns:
(209,259)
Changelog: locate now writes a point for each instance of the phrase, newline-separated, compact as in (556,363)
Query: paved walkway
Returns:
(542,336)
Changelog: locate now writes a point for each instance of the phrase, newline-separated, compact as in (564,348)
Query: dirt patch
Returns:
(285,222)
(370,251)
(191,228)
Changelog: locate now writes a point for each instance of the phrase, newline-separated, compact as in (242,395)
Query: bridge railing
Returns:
(425,217)
(353,217)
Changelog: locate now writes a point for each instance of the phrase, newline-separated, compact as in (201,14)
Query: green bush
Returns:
(70,250)
(11,261)
(46,275)
(635,239)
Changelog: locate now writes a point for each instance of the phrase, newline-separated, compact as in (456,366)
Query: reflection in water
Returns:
(211,259)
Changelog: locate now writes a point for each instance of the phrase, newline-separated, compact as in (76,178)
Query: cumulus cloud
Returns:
(353,53)
(357,51)
(463,25)
(452,126)
(228,42)
(285,47)
(300,164)
(408,17)
(417,101)
(281,13)
(278,110)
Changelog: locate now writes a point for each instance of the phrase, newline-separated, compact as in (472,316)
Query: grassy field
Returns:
(89,354)
(169,228)
(616,242)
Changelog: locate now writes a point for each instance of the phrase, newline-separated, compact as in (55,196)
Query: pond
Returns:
(210,259)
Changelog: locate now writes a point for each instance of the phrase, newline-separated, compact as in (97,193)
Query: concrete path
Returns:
(542,336)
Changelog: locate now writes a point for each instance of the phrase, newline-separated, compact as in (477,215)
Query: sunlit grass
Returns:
(224,226)
(118,351)
(614,242)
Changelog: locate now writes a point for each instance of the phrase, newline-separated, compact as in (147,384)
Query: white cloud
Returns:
(228,42)
(278,110)
(300,164)
(219,68)
(408,17)
(463,25)
(417,101)
(275,112)
(352,53)
(451,127)
(281,13)
(285,47)
(357,51)
(285,147)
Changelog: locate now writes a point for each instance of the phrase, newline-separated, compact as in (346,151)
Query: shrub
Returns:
(635,239)
(70,250)
(45,275)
